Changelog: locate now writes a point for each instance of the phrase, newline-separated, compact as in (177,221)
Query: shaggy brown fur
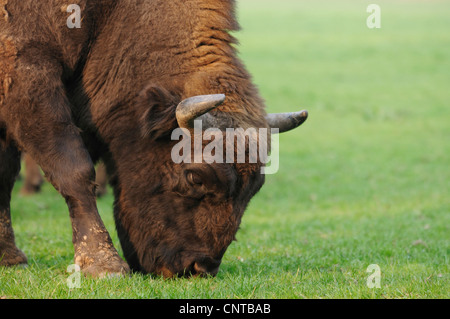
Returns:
(8,55)
(109,90)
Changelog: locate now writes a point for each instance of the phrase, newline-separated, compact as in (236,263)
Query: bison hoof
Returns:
(30,189)
(100,191)
(113,266)
(12,256)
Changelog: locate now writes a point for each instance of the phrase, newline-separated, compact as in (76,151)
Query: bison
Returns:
(113,88)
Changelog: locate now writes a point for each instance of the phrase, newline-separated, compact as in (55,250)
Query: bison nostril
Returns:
(200,269)
(165,272)
(206,268)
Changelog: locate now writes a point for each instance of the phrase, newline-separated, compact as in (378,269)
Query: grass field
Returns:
(365,181)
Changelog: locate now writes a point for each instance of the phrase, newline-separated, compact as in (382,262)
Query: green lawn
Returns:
(365,181)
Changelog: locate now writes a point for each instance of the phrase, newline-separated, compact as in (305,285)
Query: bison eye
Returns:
(194,179)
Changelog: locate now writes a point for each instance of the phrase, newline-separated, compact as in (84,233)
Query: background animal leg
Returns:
(33,178)
(101,180)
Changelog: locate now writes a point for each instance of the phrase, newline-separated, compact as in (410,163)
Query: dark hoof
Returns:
(28,190)
(100,191)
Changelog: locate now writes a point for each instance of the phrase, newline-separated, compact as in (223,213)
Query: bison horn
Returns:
(192,108)
(286,121)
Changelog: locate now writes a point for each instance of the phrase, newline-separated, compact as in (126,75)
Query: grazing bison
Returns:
(115,89)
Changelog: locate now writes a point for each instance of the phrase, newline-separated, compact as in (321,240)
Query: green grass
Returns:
(365,181)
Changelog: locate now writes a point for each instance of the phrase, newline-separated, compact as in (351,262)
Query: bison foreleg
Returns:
(71,171)
(10,255)
(39,114)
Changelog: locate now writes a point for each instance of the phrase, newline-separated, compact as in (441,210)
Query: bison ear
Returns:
(156,109)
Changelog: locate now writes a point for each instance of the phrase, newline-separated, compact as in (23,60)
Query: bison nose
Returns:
(207,267)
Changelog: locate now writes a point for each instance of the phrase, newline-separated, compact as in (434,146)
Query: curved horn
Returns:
(286,121)
(191,108)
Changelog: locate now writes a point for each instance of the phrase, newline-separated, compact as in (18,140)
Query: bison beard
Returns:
(114,90)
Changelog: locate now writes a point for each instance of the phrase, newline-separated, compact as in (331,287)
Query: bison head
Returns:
(178,218)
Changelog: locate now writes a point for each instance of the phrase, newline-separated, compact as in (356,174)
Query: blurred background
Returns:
(366,180)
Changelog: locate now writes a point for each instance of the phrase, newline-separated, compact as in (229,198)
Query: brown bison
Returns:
(113,86)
